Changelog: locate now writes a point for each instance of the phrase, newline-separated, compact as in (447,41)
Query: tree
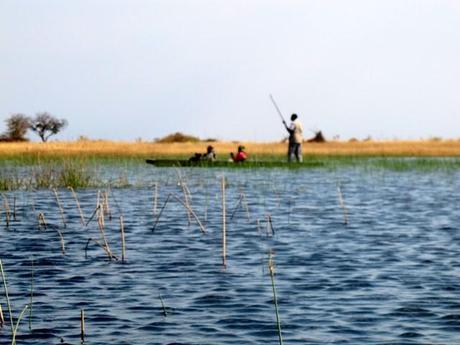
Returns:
(46,125)
(17,126)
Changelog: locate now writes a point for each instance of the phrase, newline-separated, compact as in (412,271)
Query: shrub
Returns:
(178,137)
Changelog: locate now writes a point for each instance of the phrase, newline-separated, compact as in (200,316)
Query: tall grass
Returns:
(31,152)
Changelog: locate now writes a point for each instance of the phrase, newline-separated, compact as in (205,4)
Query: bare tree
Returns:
(16,128)
(46,125)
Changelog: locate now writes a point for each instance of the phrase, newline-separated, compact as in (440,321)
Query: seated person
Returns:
(240,156)
(210,154)
(196,157)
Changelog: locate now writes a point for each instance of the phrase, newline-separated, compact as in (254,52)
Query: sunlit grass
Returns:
(29,152)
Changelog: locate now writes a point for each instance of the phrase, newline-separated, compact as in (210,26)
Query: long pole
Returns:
(277,109)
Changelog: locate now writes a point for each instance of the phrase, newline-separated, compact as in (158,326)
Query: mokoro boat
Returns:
(225,164)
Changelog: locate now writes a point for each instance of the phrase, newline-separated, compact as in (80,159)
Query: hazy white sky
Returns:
(144,68)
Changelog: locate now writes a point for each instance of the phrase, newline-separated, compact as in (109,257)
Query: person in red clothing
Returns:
(240,156)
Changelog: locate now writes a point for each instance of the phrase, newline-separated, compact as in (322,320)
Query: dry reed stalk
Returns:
(106,243)
(243,203)
(93,214)
(161,212)
(106,205)
(6,206)
(202,228)
(61,210)
(61,239)
(206,204)
(342,205)
(271,269)
(163,305)
(2,319)
(155,198)
(236,206)
(82,218)
(187,207)
(246,206)
(15,330)
(224,230)
(41,221)
(14,207)
(123,245)
(100,221)
(270,225)
(31,295)
(82,325)
(186,193)
(5,287)
(109,254)
(100,217)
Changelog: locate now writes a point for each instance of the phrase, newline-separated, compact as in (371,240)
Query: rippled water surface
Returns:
(389,276)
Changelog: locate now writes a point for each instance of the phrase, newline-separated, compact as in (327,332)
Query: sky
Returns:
(125,70)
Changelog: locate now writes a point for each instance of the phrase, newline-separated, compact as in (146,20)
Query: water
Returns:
(391,276)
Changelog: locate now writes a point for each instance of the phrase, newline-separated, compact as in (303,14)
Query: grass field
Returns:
(76,164)
(33,151)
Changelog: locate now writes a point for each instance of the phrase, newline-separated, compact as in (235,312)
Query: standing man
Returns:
(295,131)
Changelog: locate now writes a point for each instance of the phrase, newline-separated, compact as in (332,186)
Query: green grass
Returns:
(34,172)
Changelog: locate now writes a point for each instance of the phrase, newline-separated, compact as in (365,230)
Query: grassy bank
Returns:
(77,164)
(87,150)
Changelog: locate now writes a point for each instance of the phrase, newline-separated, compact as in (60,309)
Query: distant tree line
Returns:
(43,124)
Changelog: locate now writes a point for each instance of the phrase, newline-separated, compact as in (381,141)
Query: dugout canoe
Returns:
(225,164)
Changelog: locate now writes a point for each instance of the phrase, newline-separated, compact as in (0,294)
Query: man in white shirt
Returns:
(295,131)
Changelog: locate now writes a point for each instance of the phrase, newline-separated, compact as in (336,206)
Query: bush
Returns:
(178,137)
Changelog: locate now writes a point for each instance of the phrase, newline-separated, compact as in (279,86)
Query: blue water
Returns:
(389,276)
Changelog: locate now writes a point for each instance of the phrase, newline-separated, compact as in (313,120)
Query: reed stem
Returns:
(342,205)
(31,295)
(106,205)
(82,325)
(41,221)
(245,203)
(2,318)
(224,230)
(6,205)
(108,252)
(163,306)
(82,218)
(61,239)
(15,330)
(161,212)
(5,287)
(270,225)
(93,214)
(202,228)
(61,210)
(240,199)
(123,245)
(155,198)
(271,268)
